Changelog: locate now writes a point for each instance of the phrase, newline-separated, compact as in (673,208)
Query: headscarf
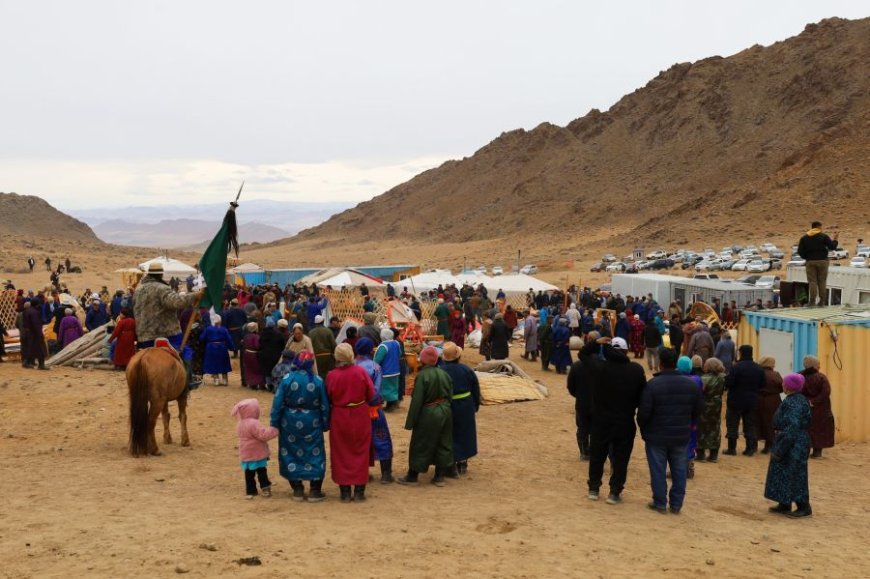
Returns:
(344,354)
(364,347)
(303,361)
(215,320)
(429,356)
(793,382)
(386,334)
(251,327)
(270,322)
(684,365)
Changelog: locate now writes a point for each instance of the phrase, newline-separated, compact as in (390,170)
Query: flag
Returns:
(213,265)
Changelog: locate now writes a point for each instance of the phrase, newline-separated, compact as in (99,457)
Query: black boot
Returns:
(751,447)
(534,356)
(438,479)
(315,494)
(701,455)
(344,490)
(803,510)
(387,471)
(714,455)
(359,493)
(817,453)
(298,490)
(690,470)
(781,508)
(409,479)
(766,449)
(452,471)
(732,447)
(462,466)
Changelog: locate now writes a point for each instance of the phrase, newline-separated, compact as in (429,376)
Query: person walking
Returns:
(561,356)
(768,402)
(710,425)
(813,247)
(726,351)
(669,405)
(530,335)
(430,421)
(253,446)
(744,384)
(817,391)
(464,404)
(218,343)
(616,387)
(652,341)
(499,338)
(787,474)
(382,442)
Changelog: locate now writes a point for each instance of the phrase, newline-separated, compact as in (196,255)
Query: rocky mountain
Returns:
(175,233)
(757,143)
(29,217)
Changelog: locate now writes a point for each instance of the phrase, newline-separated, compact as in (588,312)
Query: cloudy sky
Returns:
(119,103)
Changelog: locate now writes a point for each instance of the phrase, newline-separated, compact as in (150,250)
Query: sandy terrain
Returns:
(76,505)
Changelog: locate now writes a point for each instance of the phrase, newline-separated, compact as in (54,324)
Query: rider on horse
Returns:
(155,307)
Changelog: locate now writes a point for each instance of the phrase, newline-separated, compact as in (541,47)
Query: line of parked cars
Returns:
(730,258)
(528,269)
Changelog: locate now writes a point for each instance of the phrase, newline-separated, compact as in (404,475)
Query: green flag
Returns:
(213,264)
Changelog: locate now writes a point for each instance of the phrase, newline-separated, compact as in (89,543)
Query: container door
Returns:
(780,346)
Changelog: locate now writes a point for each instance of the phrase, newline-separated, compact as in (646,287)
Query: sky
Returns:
(161,102)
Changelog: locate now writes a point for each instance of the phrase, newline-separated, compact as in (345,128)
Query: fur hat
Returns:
(451,352)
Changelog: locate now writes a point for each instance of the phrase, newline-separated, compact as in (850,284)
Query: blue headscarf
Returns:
(684,365)
(304,361)
(364,347)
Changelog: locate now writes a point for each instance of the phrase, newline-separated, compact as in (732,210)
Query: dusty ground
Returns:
(76,505)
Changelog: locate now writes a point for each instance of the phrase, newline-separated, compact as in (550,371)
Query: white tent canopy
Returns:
(171,267)
(520,283)
(428,280)
(339,278)
(246,268)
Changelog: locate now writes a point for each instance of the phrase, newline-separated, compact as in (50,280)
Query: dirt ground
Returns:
(76,505)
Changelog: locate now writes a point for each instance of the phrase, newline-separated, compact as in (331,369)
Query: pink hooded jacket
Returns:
(252,434)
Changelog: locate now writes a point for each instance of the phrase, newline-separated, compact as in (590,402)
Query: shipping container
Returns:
(839,336)
(845,285)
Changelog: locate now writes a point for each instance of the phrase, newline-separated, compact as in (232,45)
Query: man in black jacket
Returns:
(670,403)
(616,387)
(744,384)
(814,247)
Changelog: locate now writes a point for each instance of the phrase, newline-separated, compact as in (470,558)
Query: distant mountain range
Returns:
(260,221)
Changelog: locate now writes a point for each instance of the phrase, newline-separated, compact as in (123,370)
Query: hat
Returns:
(386,334)
(370,318)
(684,365)
(793,382)
(234,302)
(429,356)
(451,352)
(215,320)
(282,323)
(622,315)
(619,343)
(318,319)
(344,354)
(155,267)
(251,326)
(298,325)
(575,343)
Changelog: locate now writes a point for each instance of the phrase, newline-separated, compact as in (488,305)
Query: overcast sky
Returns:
(108,102)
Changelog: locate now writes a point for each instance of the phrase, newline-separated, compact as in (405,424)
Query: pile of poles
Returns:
(88,351)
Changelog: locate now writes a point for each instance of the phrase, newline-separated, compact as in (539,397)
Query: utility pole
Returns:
(519,252)
(464,264)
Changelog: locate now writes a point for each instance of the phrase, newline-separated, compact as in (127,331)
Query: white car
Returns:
(529,269)
(838,254)
(749,254)
(862,251)
(767,247)
(767,282)
(497,270)
(657,254)
(858,261)
(480,270)
(740,265)
(796,261)
(707,265)
(757,266)
(617,267)
(608,258)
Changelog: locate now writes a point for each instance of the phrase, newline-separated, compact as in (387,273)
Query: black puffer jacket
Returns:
(744,384)
(617,384)
(816,246)
(671,402)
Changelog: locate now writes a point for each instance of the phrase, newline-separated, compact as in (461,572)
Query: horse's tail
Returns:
(137,381)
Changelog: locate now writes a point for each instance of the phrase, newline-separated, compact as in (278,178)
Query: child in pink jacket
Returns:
(253,448)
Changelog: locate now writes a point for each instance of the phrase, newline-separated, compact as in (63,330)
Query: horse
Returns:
(155,377)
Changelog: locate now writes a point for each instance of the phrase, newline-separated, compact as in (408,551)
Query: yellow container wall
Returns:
(850,386)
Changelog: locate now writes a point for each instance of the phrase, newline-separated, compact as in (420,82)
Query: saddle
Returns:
(163,344)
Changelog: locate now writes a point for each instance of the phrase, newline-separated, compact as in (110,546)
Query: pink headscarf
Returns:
(429,356)
(793,382)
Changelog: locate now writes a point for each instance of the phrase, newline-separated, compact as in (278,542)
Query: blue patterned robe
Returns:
(787,476)
(382,441)
(300,412)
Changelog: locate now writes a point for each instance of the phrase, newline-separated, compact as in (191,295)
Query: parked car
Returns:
(748,279)
(776,253)
(617,267)
(707,265)
(775,262)
(631,268)
(767,282)
(597,267)
(838,254)
(662,264)
(657,254)
(705,276)
(767,247)
(749,254)
(727,264)
(858,261)
(796,261)
(740,265)
(529,269)
(758,265)
(862,251)
(708,252)
(497,270)
(691,261)
(608,258)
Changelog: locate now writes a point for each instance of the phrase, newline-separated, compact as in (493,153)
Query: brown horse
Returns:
(154,377)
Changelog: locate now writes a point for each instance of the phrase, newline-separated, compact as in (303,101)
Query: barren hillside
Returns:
(753,145)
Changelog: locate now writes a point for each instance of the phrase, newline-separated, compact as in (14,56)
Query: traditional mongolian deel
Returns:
(430,420)
(300,411)
(787,476)
(350,430)
(218,343)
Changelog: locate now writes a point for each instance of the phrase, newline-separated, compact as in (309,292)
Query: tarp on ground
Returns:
(171,267)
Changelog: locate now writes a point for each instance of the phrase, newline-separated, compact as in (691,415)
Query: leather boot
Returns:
(817,453)
(751,447)
(315,494)
(732,447)
(714,455)
(462,466)
(766,448)
(438,479)
(452,471)
(344,490)
(387,471)
(701,455)
(803,510)
(359,493)
(409,479)
(298,490)
(781,508)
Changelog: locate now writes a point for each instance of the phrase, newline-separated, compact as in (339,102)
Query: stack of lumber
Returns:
(503,381)
(91,350)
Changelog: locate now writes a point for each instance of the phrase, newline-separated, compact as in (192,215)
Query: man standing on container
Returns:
(814,247)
